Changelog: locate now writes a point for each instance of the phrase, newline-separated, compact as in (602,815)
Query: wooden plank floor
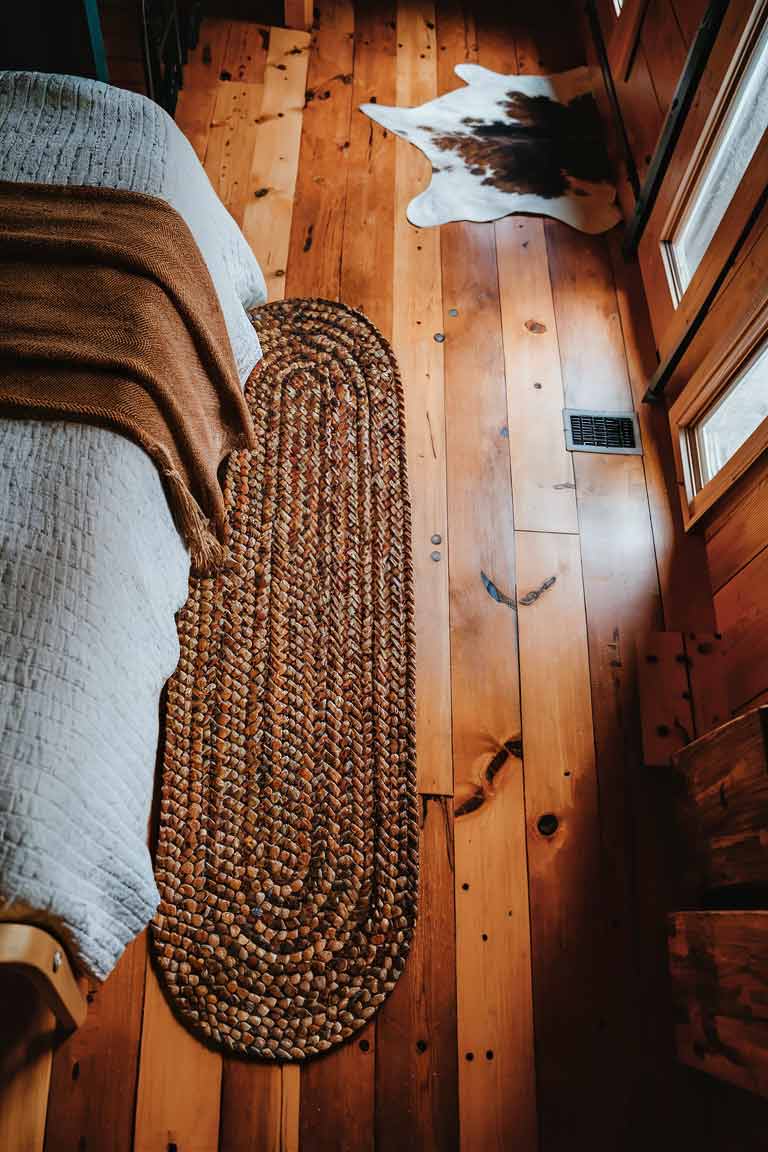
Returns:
(522,1020)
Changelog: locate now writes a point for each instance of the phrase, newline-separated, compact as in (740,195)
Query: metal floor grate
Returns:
(594,431)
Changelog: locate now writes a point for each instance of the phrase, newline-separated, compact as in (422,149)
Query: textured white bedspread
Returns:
(92,568)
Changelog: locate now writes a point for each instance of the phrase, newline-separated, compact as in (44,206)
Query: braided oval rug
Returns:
(287,856)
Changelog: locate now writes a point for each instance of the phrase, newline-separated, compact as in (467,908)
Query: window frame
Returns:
(718,114)
(729,357)
(739,31)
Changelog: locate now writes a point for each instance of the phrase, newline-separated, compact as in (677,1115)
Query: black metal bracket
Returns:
(163,54)
(695,63)
(605,68)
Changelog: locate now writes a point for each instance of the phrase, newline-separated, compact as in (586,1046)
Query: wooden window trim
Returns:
(625,36)
(669,323)
(723,242)
(717,370)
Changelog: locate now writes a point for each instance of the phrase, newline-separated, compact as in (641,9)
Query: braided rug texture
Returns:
(287,856)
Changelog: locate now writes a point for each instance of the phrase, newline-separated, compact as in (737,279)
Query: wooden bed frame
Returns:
(35,954)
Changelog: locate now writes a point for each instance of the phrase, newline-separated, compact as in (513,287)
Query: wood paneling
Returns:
(337,1098)
(542,471)
(267,211)
(680,557)
(689,14)
(418,319)
(738,528)
(665,698)
(83,1110)
(704,654)
(719,968)
(742,617)
(726,782)
(416,1102)
(563,832)
(367,265)
(252,1108)
(665,50)
(318,208)
(179,1090)
(496,1074)
(625,37)
(27,1038)
(231,144)
(622,603)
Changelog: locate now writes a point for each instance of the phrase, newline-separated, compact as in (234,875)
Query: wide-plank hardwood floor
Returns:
(530,1014)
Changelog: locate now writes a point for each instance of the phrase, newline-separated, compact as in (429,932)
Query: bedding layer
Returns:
(92,568)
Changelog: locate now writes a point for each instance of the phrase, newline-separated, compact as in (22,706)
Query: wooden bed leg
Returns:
(298,14)
(35,954)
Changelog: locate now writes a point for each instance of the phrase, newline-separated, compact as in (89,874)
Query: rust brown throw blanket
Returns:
(108,316)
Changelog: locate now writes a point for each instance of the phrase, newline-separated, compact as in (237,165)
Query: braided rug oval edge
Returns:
(287,853)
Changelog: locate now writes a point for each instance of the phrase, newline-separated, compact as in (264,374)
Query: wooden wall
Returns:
(736,532)
(646,91)
(737,551)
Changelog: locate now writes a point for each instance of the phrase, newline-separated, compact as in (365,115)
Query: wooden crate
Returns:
(724,816)
(719,969)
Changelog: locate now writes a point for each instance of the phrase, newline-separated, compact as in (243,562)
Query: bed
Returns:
(92,567)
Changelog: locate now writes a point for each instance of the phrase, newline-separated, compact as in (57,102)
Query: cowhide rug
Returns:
(510,144)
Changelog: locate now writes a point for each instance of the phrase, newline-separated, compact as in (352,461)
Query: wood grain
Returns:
(543,485)
(205,63)
(367,263)
(689,14)
(705,659)
(741,607)
(680,556)
(416,1056)
(640,108)
(624,39)
(179,1088)
(298,13)
(496,1074)
(318,218)
(738,527)
(563,834)
(665,698)
(665,50)
(726,793)
(418,318)
(197,99)
(719,969)
(232,139)
(245,56)
(268,209)
(83,1110)
(27,1038)
(622,602)
(259,1107)
(337,1098)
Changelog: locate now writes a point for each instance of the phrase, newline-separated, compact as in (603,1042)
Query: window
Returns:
(720,419)
(730,421)
(738,122)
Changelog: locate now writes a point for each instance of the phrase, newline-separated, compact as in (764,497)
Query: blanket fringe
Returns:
(207,553)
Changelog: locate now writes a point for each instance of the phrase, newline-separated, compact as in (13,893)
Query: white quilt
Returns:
(92,568)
